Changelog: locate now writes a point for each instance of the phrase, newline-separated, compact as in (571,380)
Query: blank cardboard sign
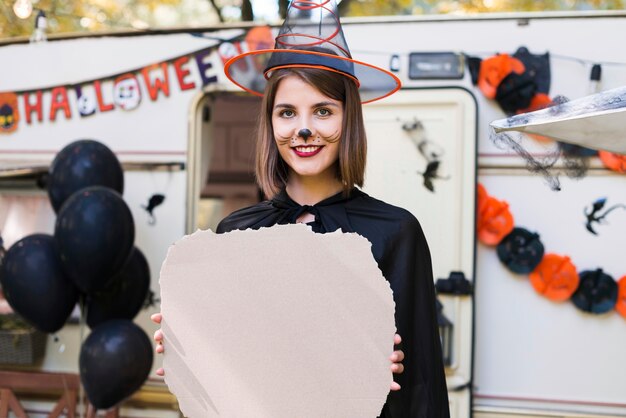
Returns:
(279,322)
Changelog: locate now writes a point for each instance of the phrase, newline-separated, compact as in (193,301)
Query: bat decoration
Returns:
(430,150)
(594,216)
(154,201)
(414,125)
(151,300)
(431,173)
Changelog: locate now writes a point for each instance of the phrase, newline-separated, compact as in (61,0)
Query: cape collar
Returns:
(283,201)
(330,211)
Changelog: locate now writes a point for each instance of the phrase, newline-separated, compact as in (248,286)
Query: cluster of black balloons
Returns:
(92,258)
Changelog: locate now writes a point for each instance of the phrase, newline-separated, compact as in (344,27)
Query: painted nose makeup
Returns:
(304,133)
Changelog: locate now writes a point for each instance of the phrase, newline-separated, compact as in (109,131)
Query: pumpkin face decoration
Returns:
(9,114)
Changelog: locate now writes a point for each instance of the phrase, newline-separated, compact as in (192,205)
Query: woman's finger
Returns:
(156,318)
(159,349)
(397,368)
(158,336)
(397,339)
(394,386)
(160,372)
(397,356)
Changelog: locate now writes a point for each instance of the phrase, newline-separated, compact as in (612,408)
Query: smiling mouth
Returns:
(307,151)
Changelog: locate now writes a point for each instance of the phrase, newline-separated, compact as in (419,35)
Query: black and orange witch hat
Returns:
(311,37)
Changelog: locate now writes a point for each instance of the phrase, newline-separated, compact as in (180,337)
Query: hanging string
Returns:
(582,61)
(82,323)
(486,54)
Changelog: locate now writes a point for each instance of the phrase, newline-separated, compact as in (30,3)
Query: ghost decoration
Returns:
(86,100)
(126,93)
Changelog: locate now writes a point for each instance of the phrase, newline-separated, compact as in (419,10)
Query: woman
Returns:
(311,152)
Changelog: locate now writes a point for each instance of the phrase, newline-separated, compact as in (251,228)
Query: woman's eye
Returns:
(287,113)
(323,112)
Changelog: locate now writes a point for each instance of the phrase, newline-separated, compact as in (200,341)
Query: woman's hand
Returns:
(396,357)
(158,338)
(396,361)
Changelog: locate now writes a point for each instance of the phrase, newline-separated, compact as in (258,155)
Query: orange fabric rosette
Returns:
(495,220)
(620,306)
(494,69)
(615,162)
(555,277)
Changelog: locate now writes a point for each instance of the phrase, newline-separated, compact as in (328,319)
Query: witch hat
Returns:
(311,37)
(595,121)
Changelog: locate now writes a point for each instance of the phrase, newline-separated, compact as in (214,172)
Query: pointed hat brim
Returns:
(597,121)
(247,70)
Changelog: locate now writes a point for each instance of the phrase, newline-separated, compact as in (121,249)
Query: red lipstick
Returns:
(307,151)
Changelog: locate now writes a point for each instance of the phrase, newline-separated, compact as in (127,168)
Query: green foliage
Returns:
(499,6)
(380,7)
(72,16)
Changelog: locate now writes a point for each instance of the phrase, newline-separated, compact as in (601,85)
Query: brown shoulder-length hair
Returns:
(270,169)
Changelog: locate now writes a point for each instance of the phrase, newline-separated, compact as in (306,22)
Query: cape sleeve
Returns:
(262,214)
(407,266)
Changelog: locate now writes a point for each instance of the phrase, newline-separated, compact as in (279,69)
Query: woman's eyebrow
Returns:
(316,105)
(322,104)
(284,105)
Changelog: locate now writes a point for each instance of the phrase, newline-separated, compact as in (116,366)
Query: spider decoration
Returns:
(151,299)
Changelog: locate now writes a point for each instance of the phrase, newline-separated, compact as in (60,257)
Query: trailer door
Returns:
(422,156)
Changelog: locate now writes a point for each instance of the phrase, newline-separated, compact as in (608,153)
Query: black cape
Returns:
(400,249)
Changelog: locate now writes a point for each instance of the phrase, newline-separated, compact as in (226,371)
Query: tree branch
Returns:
(247,14)
(282,8)
(218,10)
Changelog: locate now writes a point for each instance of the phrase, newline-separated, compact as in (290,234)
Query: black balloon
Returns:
(596,293)
(95,233)
(35,284)
(2,250)
(124,295)
(82,164)
(114,361)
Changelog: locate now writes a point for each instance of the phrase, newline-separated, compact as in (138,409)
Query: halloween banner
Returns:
(124,91)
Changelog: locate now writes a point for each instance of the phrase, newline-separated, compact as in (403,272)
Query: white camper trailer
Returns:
(187,134)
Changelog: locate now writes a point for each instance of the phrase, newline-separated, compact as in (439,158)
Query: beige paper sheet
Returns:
(279,322)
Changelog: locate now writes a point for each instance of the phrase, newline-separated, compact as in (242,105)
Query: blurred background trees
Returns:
(68,16)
